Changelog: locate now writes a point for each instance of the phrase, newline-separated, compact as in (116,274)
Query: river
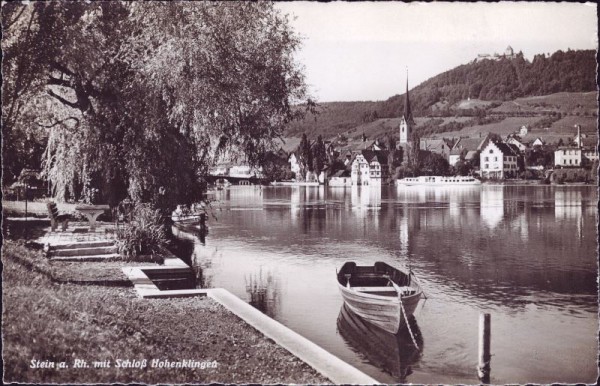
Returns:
(525,254)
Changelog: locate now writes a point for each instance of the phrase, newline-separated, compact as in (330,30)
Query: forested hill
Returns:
(488,80)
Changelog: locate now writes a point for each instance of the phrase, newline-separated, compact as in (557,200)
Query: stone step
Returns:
(84,244)
(87,257)
(84,251)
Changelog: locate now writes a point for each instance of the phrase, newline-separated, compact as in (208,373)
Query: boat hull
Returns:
(382,311)
(438,181)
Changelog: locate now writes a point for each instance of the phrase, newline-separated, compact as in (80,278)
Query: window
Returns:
(486,159)
(570,161)
(491,151)
(496,159)
(487,166)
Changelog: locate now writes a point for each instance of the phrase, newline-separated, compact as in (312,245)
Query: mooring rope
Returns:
(406,318)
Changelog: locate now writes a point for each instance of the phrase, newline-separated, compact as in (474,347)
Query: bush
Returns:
(144,235)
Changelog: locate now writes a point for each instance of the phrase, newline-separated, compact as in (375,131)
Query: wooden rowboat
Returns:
(380,294)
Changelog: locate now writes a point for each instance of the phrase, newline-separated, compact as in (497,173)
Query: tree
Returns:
(305,155)
(413,152)
(319,155)
(435,164)
(156,91)
(463,168)
(275,168)
(390,142)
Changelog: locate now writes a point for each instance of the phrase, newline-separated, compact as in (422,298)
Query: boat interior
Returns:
(376,279)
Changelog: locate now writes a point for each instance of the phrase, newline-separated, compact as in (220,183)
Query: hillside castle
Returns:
(508,54)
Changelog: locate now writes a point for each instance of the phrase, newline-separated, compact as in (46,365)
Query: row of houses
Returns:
(497,158)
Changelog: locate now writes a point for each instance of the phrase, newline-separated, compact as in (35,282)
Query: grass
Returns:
(47,321)
(101,272)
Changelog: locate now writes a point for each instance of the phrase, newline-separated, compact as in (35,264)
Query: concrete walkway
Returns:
(338,371)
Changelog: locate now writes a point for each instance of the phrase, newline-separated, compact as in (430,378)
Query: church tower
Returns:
(407,122)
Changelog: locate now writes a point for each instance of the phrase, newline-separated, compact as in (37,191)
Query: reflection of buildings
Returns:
(492,205)
(241,195)
(521,225)
(365,197)
(567,204)
(366,202)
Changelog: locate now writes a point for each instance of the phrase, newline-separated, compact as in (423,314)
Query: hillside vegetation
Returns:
(479,94)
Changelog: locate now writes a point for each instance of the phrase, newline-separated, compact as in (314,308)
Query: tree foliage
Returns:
(305,156)
(319,155)
(140,99)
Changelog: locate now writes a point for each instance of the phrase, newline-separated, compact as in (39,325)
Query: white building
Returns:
(537,142)
(523,130)
(369,168)
(567,156)
(590,154)
(245,171)
(294,165)
(498,160)
(340,178)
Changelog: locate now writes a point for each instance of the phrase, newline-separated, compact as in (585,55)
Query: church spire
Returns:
(407,112)
(406,121)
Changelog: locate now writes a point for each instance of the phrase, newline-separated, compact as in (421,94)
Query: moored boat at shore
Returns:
(380,294)
(438,180)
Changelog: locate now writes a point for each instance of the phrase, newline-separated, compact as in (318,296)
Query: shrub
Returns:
(144,235)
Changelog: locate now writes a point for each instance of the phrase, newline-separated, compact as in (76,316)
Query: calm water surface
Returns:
(525,254)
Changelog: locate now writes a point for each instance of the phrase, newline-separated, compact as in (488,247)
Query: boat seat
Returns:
(405,291)
(374,289)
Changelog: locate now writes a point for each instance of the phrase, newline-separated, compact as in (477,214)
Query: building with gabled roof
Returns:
(439,146)
(370,167)
(512,140)
(498,160)
(465,146)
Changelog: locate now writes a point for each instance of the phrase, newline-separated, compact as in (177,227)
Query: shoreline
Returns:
(118,324)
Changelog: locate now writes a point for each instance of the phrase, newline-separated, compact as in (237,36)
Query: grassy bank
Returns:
(43,320)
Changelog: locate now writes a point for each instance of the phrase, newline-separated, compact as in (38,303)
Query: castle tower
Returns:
(407,122)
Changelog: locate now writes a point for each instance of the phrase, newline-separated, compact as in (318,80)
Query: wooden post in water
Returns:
(483,367)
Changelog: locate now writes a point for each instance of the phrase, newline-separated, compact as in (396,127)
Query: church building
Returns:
(407,122)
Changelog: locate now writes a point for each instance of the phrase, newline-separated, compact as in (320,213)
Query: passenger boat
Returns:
(438,180)
(380,294)
(393,353)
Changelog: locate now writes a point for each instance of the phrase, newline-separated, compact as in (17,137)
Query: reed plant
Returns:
(144,235)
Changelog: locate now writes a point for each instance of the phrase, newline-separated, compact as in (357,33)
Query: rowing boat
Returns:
(380,294)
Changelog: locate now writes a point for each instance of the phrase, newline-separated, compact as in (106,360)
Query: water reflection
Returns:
(263,291)
(567,204)
(492,206)
(507,249)
(365,198)
(395,354)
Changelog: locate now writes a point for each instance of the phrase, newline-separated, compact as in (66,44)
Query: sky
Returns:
(361,51)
